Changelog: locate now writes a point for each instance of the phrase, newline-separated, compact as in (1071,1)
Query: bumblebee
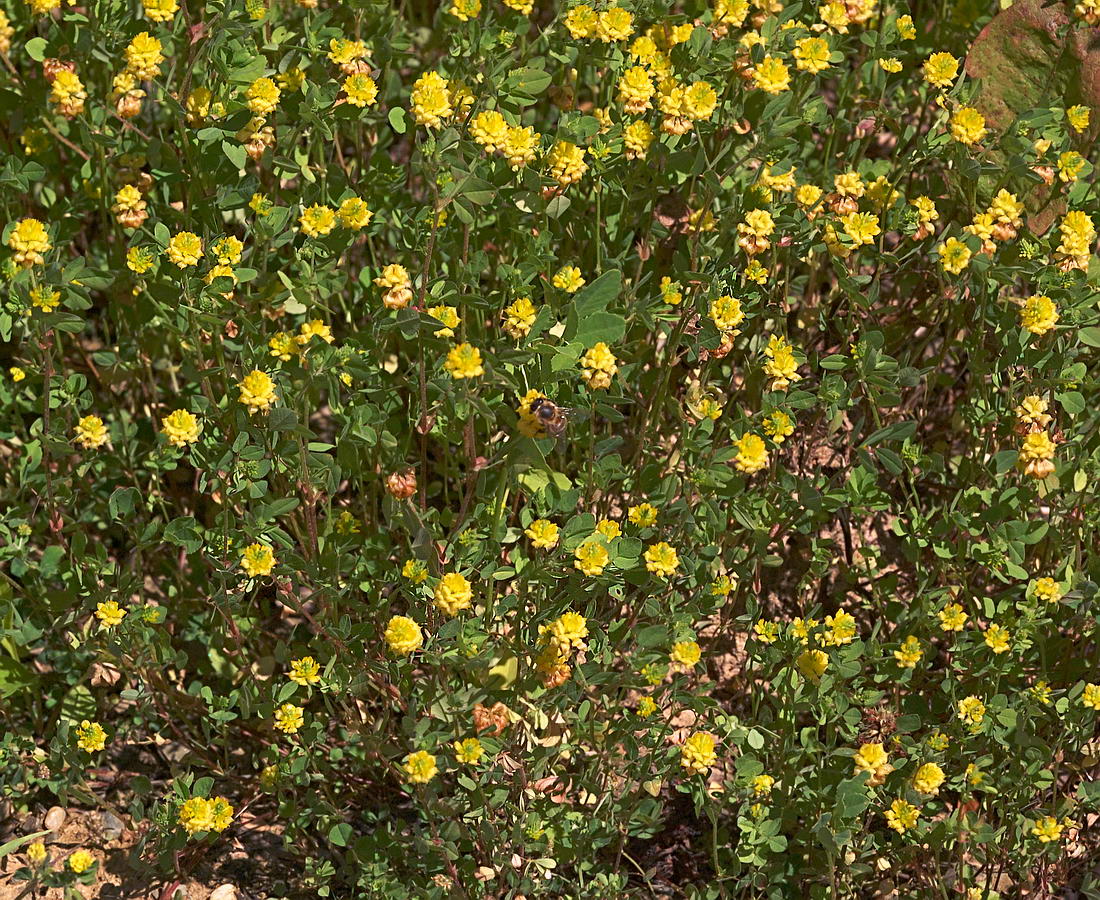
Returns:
(552,417)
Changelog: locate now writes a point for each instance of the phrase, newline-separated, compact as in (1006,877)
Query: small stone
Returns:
(225,892)
(55,818)
(110,825)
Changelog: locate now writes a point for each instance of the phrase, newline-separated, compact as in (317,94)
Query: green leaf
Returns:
(235,153)
(184,532)
(396,118)
(122,502)
(282,419)
(51,559)
(1071,401)
(899,431)
(594,297)
(851,798)
(14,677)
(1090,336)
(36,49)
(601,326)
(78,705)
(581,324)
(15,843)
(341,834)
(527,82)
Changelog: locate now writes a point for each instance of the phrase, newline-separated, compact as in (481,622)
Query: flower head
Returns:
(257,391)
(811,663)
(752,454)
(90,736)
(519,317)
(902,815)
(1038,314)
(967,125)
(928,778)
(305,671)
(940,69)
(591,557)
(91,433)
(698,754)
(431,100)
(262,96)
(971,711)
(453,593)
(30,240)
(872,759)
(289,718)
(543,534)
(469,751)
(109,613)
(257,559)
(420,767)
(685,653)
(80,861)
(181,428)
(662,560)
(403,635)
(464,361)
(185,249)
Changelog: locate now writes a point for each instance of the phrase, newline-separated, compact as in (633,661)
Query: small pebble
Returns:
(55,818)
(110,825)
